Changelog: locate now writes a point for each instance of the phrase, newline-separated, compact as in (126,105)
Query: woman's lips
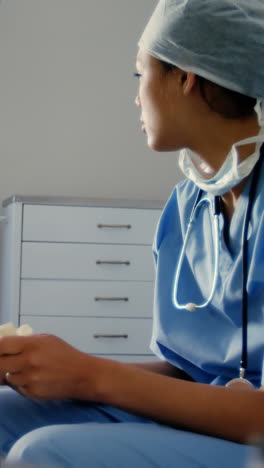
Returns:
(143,128)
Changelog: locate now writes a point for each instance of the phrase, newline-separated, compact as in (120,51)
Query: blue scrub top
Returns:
(207,343)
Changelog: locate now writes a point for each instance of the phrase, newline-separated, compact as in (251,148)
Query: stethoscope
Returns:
(215,207)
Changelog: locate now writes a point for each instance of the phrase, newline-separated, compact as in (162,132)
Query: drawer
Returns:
(87,261)
(86,298)
(89,224)
(97,335)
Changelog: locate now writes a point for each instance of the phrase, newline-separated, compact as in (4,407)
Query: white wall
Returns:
(68,123)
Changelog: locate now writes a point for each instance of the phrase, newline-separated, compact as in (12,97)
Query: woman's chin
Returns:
(158,145)
(153,143)
(164,144)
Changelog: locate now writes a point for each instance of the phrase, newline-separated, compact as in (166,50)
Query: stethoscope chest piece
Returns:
(240,384)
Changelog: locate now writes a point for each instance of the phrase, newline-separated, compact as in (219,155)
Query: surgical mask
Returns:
(231,172)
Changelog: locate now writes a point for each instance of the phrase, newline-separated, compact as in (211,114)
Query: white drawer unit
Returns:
(81,269)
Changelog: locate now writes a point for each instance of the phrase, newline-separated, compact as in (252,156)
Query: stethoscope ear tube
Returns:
(217,206)
(251,198)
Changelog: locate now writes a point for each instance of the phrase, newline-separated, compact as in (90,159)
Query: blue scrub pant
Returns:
(70,434)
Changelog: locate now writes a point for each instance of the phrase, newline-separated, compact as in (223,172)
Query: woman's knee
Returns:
(60,446)
(11,425)
(34,449)
(81,445)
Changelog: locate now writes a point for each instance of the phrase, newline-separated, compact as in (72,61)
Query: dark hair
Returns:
(230,104)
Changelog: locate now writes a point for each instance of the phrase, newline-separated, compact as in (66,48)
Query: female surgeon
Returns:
(201,82)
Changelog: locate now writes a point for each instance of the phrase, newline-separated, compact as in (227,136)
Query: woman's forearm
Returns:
(162,368)
(217,411)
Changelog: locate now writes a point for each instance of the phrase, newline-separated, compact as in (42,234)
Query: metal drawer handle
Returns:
(111,262)
(125,299)
(118,226)
(99,335)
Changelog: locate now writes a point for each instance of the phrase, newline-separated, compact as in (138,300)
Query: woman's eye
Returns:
(137,75)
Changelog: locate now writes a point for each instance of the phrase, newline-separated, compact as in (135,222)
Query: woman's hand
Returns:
(46,367)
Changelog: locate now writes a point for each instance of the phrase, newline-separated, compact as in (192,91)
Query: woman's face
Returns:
(157,100)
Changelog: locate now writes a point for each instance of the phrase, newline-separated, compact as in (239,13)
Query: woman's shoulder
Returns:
(177,209)
(182,197)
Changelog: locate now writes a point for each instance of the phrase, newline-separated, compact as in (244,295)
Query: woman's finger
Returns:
(11,363)
(13,344)
(22,383)
(16,379)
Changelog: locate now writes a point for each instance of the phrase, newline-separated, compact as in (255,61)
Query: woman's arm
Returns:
(236,415)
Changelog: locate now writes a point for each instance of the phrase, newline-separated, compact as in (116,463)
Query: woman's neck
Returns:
(213,139)
(214,146)
(231,197)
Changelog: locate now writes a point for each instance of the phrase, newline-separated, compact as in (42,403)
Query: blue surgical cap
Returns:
(220,40)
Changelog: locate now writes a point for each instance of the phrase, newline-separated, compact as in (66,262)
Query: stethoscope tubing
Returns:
(215,207)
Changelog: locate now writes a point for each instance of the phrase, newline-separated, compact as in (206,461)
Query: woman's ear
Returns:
(188,82)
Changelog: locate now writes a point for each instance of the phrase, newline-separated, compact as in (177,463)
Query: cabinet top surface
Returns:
(84,201)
